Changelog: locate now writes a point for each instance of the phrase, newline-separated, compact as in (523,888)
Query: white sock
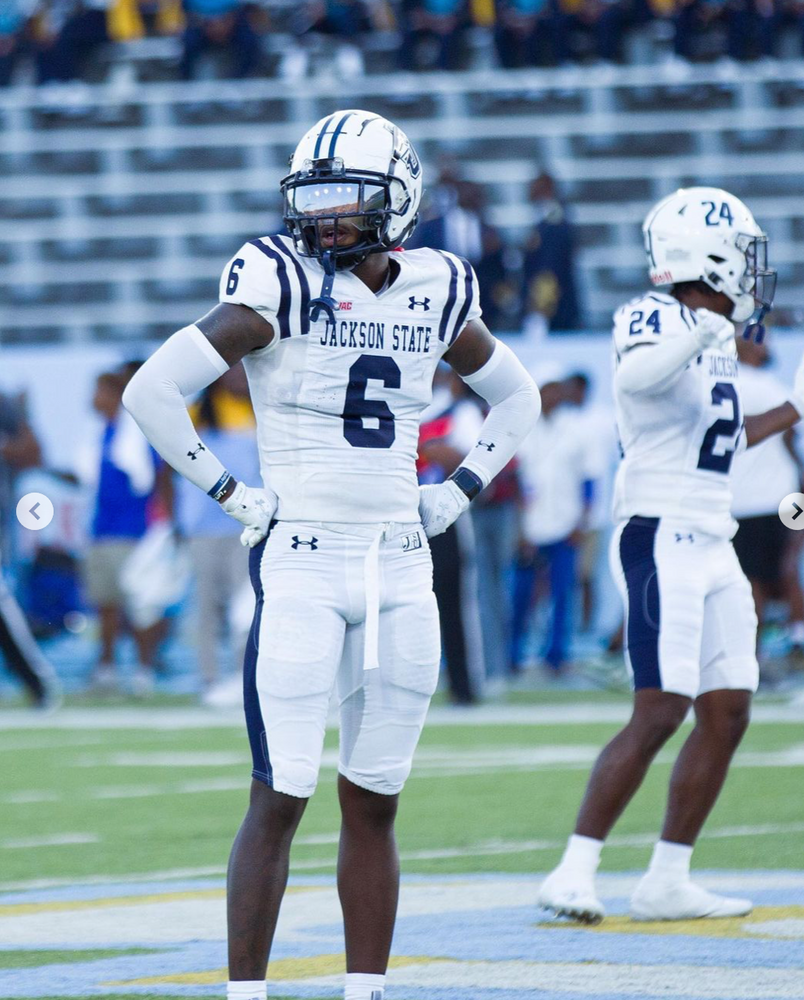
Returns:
(582,854)
(671,861)
(246,989)
(363,986)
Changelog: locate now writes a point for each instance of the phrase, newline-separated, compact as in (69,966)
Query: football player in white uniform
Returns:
(340,561)
(690,622)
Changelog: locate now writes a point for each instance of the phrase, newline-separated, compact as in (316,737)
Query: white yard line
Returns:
(51,840)
(581,713)
(488,848)
(431,762)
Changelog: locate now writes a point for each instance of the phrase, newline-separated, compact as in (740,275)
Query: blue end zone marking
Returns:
(254,721)
(639,568)
(283,314)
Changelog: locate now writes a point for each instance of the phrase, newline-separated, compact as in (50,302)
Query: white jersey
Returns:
(338,404)
(678,444)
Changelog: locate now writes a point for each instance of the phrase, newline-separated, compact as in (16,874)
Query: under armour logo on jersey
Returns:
(298,542)
(689,537)
(488,445)
(194,454)
(419,303)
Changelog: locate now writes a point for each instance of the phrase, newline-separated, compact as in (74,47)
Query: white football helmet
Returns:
(357,166)
(706,234)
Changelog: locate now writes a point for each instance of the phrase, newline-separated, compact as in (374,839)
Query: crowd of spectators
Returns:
(58,37)
(146,570)
(530,288)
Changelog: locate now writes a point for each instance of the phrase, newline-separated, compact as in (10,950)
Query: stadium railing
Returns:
(120,211)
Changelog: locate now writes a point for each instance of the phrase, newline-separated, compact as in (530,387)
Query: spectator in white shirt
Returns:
(555,472)
(761,477)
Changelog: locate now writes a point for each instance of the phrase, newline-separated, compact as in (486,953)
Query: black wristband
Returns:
(221,486)
(467,482)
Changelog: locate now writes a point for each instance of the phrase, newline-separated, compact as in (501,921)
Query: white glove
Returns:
(797,395)
(440,506)
(254,508)
(712,329)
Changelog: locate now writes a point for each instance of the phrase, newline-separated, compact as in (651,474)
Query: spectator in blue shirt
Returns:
(548,271)
(527,33)
(125,484)
(434,25)
(221,25)
(14,17)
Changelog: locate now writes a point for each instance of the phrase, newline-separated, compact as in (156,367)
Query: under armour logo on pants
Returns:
(298,542)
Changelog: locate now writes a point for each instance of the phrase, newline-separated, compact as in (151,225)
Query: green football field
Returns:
(109,802)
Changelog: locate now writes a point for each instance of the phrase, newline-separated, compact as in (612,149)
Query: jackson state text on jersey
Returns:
(678,444)
(338,401)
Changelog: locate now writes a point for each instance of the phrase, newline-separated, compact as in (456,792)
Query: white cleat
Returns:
(656,899)
(568,894)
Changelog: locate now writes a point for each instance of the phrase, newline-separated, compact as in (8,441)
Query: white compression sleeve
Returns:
(653,368)
(515,407)
(185,364)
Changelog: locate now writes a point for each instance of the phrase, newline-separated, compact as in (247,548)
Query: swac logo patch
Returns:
(419,303)
(344,306)
(298,542)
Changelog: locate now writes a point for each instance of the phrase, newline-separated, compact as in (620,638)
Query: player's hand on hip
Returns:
(254,508)
(440,506)
(712,329)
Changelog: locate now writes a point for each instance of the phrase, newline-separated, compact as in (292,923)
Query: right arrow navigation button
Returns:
(790,510)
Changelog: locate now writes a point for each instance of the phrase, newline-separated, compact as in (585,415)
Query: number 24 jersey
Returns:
(677,444)
(338,402)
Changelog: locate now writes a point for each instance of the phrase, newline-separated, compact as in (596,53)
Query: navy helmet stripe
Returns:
(453,292)
(283,313)
(320,139)
(468,289)
(643,614)
(262,769)
(337,132)
(304,284)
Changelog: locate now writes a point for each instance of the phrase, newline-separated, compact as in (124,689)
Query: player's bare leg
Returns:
(617,774)
(721,719)
(368,876)
(257,877)
(623,764)
(109,622)
(666,891)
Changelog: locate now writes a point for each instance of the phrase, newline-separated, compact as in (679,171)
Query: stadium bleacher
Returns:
(119,212)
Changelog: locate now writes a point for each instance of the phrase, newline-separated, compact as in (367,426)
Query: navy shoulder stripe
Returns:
(304,284)
(451,296)
(469,290)
(283,314)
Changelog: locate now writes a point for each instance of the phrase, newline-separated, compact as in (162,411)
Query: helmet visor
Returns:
(357,201)
(758,279)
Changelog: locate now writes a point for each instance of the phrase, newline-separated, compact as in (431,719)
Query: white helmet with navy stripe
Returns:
(706,234)
(358,167)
